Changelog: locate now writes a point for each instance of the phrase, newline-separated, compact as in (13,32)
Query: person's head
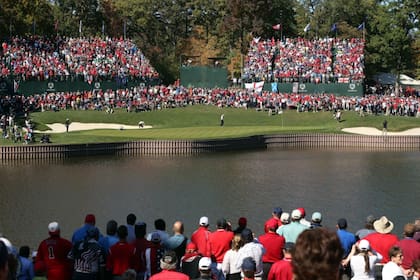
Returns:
(316,218)
(248,267)
(296,215)
(236,242)
(204,265)
(122,232)
(168,261)
(242,222)
(302,212)
(191,248)
(416,267)
(92,233)
(277,211)
(369,221)
(129,274)
(53,229)
(221,223)
(204,221)
(317,255)
(4,265)
(342,223)
(409,230)
(24,251)
(111,228)
(140,229)
(155,238)
(288,248)
(247,236)
(131,219)
(160,224)
(272,225)
(285,218)
(90,219)
(383,225)
(178,227)
(396,255)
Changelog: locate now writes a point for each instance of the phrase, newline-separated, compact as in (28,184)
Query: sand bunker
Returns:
(77,126)
(375,131)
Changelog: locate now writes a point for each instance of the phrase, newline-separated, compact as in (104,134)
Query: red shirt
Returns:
(169,275)
(281,270)
(381,243)
(273,244)
(201,238)
(220,243)
(52,258)
(122,256)
(141,245)
(411,251)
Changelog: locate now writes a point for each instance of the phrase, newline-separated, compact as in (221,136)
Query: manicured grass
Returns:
(203,122)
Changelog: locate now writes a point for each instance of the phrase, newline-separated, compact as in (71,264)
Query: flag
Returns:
(361,26)
(80,26)
(307,28)
(277,26)
(258,86)
(256,40)
(334,27)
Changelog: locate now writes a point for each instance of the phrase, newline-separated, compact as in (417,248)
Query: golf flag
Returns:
(361,26)
(334,27)
(277,26)
(257,86)
(307,28)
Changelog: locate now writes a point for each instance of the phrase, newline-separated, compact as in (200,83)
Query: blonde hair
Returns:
(236,242)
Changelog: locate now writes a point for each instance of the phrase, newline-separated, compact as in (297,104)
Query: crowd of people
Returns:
(62,58)
(291,247)
(299,59)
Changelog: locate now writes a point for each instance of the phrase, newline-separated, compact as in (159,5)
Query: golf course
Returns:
(201,122)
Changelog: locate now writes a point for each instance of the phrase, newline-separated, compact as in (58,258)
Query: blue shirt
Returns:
(26,269)
(80,233)
(347,240)
(107,241)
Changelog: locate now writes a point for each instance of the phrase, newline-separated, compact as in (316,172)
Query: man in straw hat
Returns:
(382,241)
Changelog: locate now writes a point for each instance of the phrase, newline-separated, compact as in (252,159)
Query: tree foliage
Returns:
(168,30)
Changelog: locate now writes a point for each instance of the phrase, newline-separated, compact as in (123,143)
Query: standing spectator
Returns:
(67,124)
(220,241)
(316,220)
(282,270)
(168,265)
(111,236)
(131,220)
(26,271)
(153,255)
(80,233)
(317,255)
(291,231)
(88,257)
(275,216)
(273,245)
(200,237)
(160,228)
(141,244)
(409,247)
(204,267)
(368,229)
(177,242)
(222,119)
(242,222)
(393,268)
(363,260)
(52,255)
(190,261)
(347,241)
(122,255)
(4,265)
(303,221)
(248,268)
(231,257)
(382,240)
(251,249)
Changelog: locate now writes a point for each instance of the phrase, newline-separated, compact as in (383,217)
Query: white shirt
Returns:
(391,270)
(229,262)
(357,264)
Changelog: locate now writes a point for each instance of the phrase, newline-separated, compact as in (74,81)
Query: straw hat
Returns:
(383,225)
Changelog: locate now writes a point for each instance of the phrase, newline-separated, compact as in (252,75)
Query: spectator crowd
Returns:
(299,59)
(291,247)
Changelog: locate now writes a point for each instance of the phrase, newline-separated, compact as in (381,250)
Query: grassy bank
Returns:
(202,122)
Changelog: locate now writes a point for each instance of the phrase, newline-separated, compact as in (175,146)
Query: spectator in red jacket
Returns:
(273,245)
(200,237)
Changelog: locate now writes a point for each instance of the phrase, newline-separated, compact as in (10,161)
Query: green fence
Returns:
(204,77)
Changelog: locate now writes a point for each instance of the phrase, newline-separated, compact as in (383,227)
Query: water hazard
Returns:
(336,183)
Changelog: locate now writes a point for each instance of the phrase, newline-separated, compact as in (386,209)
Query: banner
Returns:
(257,86)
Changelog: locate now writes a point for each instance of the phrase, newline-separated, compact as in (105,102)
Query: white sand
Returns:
(375,131)
(77,126)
